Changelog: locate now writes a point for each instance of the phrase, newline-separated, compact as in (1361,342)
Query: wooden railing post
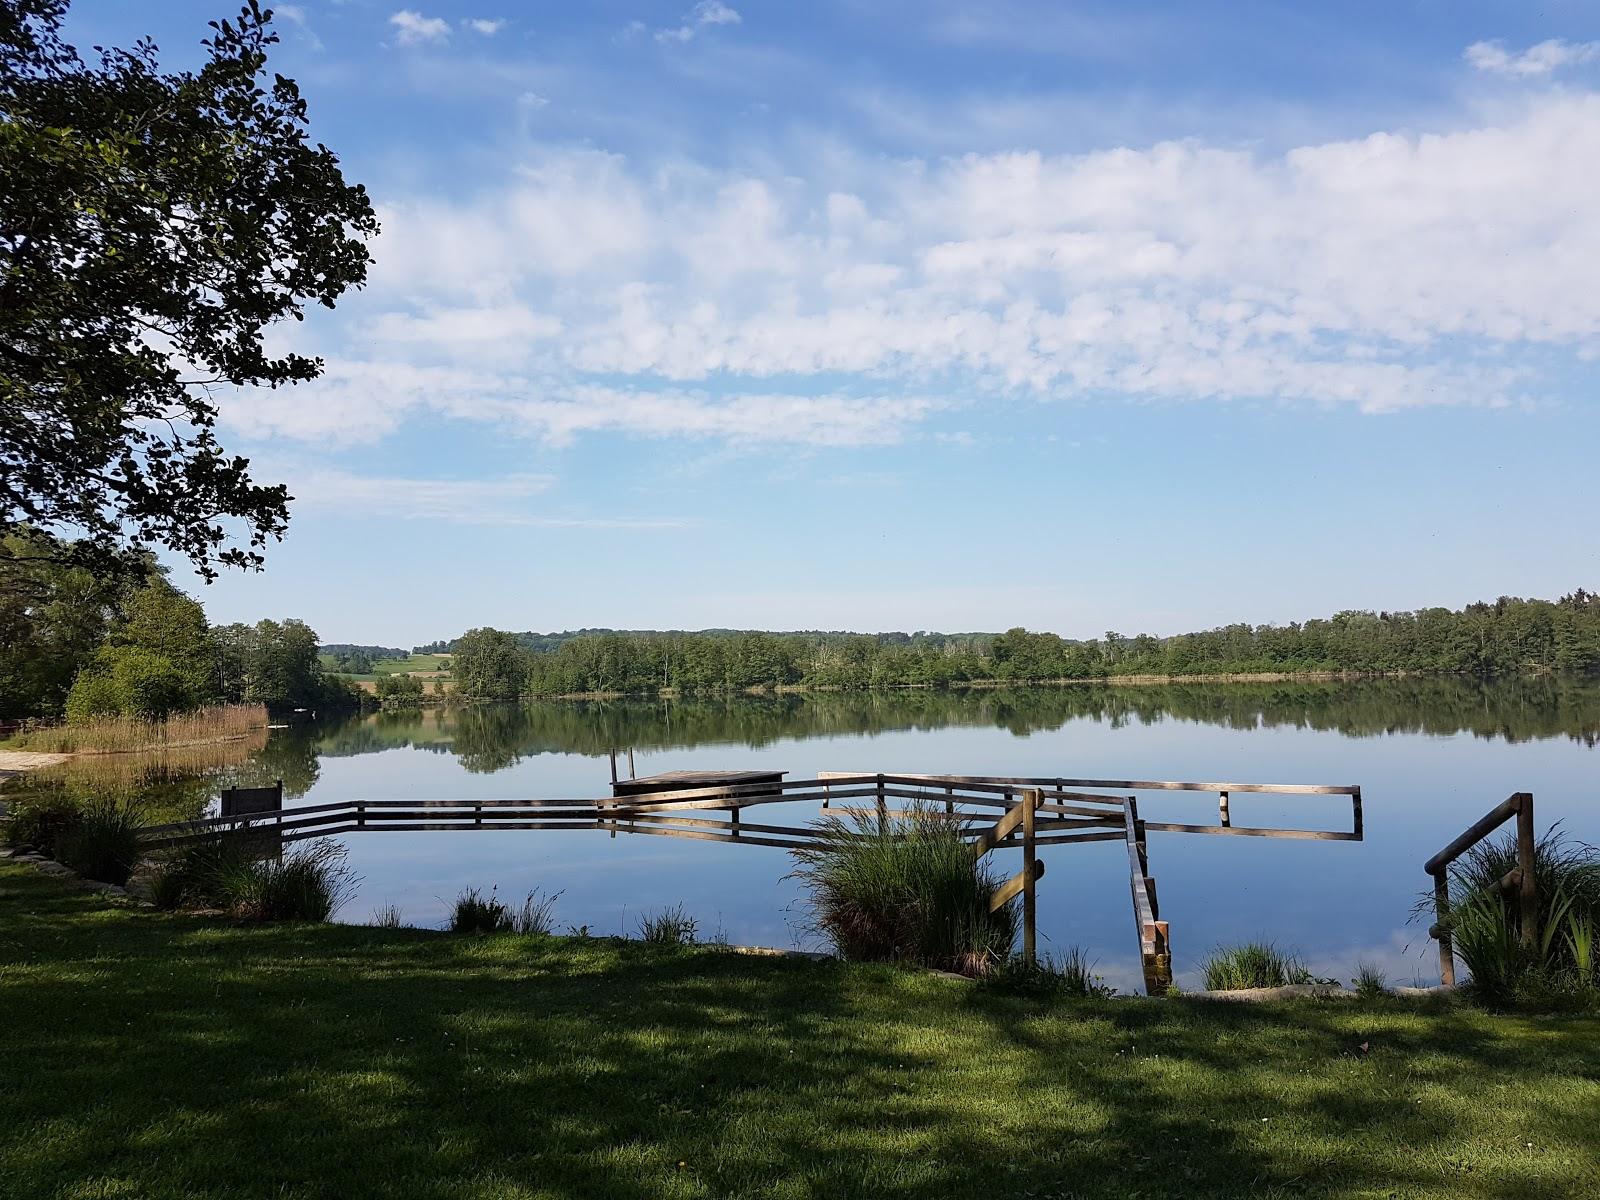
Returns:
(1441,927)
(1528,889)
(1030,806)
(883,812)
(1222,810)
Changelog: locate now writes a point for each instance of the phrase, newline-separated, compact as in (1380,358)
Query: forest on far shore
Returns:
(1503,637)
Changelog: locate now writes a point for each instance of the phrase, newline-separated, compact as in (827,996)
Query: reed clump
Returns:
(1558,968)
(118,735)
(475,912)
(1252,965)
(905,889)
(1072,975)
(670,927)
(308,882)
(102,843)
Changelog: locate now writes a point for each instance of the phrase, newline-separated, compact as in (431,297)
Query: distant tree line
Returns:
(79,644)
(1505,637)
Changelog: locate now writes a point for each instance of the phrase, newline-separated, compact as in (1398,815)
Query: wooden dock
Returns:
(993,813)
(677,781)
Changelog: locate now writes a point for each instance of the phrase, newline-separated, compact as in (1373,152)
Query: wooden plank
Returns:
(1066,839)
(701,822)
(669,781)
(1316,835)
(1008,890)
(1000,783)
(997,833)
(1481,828)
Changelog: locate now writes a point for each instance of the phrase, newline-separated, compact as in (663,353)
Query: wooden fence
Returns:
(993,813)
(1519,881)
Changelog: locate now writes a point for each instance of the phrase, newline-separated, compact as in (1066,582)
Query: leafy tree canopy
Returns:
(152,226)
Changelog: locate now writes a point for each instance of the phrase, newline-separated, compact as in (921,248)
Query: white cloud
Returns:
(592,294)
(412,28)
(502,501)
(358,401)
(485,25)
(706,13)
(1542,59)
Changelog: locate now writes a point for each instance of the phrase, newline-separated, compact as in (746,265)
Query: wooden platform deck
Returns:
(674,781)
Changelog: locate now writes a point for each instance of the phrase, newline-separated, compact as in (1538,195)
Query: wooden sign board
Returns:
(244,802)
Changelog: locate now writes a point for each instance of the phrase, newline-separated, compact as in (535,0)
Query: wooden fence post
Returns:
(1030,805)
(1441,927)
(1528,889)
(1222,809)
(883,812)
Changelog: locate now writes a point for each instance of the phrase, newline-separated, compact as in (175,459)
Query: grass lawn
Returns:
(148,1055)
(416,664)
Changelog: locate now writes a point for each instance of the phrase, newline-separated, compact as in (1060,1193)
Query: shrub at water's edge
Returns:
(307,882)
(103,843)
(1253,965)
(908,890)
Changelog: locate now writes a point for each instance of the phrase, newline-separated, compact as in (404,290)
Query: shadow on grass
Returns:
(154,1055)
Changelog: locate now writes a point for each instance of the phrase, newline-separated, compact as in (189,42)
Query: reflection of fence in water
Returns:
(993,813)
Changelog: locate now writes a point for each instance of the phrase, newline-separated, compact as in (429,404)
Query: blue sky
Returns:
(926,315)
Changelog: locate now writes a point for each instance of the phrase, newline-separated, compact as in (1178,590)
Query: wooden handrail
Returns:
(1521,878)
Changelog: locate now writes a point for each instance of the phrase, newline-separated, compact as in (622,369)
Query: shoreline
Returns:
(800,689)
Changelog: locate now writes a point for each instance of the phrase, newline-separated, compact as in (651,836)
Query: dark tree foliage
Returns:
(152,226)
(1508,637)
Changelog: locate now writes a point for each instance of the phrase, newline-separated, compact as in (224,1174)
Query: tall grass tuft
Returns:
(103,843)
(111,735)
(193,875)
(537,914)
(908,891)
(1072,975)
(387,916)
(1558,969)
(1370,981)
(671,927)
(309,882)
(476,913)
(1253,965)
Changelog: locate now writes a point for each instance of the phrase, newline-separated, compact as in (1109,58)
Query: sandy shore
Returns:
(15,762)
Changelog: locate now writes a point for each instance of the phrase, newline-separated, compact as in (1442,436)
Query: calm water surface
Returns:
(1430,757)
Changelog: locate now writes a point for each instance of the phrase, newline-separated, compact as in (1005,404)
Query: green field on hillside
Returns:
(157,1055)
(415,664)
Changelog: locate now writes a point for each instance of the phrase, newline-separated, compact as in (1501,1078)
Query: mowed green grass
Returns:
(148,1055)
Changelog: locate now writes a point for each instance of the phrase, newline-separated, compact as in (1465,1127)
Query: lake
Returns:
(1430,756)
